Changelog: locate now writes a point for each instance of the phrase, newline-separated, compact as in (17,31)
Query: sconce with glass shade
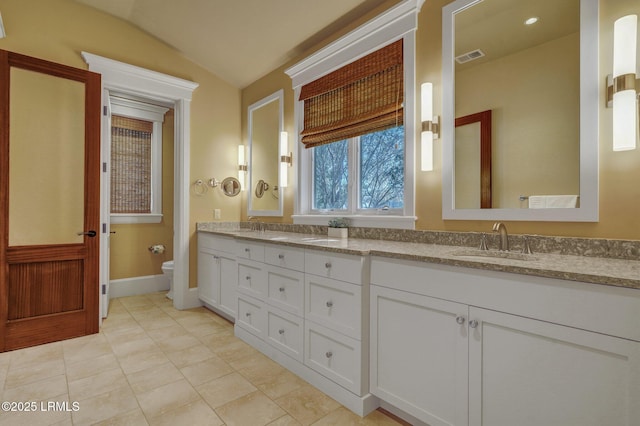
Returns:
(622,91)
(430,128)
(242,166)
(286,159)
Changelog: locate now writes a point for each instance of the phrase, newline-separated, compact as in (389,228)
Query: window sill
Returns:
(361,221)
(135,218)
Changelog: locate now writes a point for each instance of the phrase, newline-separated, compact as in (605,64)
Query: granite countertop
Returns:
(605,271)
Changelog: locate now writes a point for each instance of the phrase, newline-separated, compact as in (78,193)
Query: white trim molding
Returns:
(399,22)
(138,285)
(176,93)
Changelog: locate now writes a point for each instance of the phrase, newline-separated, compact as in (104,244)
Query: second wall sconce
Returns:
(286,159)
(242,165)
(430,127)
(622,86)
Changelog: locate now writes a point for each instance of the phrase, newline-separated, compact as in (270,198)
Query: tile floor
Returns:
(152,364)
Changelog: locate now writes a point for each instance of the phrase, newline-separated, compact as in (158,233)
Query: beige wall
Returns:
(619,171)
(58,30)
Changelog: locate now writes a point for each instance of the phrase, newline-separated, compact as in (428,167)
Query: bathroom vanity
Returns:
(442,335)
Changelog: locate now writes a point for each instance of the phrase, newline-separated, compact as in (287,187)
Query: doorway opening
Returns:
(170,92)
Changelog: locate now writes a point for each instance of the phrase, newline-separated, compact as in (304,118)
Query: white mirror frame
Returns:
(588,210)
(275,97)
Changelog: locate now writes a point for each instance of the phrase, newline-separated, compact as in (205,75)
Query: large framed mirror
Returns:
(540,82)
(265,124)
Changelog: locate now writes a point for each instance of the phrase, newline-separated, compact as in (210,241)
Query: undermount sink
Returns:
(491,254)
(319,240)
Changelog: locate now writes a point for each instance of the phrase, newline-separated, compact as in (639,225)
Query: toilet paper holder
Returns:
(157,248)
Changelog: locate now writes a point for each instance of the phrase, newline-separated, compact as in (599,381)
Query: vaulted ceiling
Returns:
(238,40)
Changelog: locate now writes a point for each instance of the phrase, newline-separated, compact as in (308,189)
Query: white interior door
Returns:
(105,204)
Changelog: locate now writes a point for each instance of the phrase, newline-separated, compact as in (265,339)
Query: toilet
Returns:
(167,271)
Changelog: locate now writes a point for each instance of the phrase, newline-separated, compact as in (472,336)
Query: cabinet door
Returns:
(209,277)
(228,284)
(419,355)
(528,372)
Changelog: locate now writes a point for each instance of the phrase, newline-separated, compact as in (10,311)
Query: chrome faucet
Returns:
(255,224)
(504,237)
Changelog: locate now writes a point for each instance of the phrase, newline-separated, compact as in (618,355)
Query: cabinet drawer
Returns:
(251,278)
(285,289)
(216,242)
(334,304)
(333,355)
(249,250)
(285,332)
(285,257)
(337,266)
(251,315)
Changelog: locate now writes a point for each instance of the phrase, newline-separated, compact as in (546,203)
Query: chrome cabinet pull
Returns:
(329,303)
(247,250)
(281,256)
(460,319)
(328,354)
(473,323)
(281,289)
(248,314)
(281,331)
(327,265)
(248,277)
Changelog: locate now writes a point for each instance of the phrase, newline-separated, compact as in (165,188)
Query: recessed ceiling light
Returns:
(531,21)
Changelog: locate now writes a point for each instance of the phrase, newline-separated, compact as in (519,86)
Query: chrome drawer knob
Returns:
(329,304)
(248,277)
(328,354)
(460,319)
(248,314)
(281,289)
(327,265)
(281,331)
(247,250)
(281,256)
(473,323)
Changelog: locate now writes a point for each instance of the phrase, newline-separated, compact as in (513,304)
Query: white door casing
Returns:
(173,92)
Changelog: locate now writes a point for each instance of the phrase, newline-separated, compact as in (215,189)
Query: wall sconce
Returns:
(242,166)
(430,127)
(621,86)
(286,159)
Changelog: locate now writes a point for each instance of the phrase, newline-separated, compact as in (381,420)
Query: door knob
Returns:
(91,233)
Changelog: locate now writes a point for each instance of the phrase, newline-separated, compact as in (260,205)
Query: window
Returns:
(360,165)
(136,161)
(377,165)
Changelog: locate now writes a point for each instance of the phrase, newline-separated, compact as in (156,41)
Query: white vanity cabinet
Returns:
(457,346)
(308,310)
(336,299)
(217,274)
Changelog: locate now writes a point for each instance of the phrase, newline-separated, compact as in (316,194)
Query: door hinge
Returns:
(105,111)
(104,289)
(104,228)
(104,167)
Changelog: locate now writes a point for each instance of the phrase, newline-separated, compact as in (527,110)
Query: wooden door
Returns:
(49,201)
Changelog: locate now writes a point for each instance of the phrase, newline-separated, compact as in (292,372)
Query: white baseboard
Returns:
(137,285)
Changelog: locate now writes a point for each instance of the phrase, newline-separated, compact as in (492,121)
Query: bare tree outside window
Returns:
(382,169)
(331,176)
(380,172)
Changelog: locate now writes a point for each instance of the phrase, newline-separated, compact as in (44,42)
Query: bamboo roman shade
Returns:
(361,97)
(130,165)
